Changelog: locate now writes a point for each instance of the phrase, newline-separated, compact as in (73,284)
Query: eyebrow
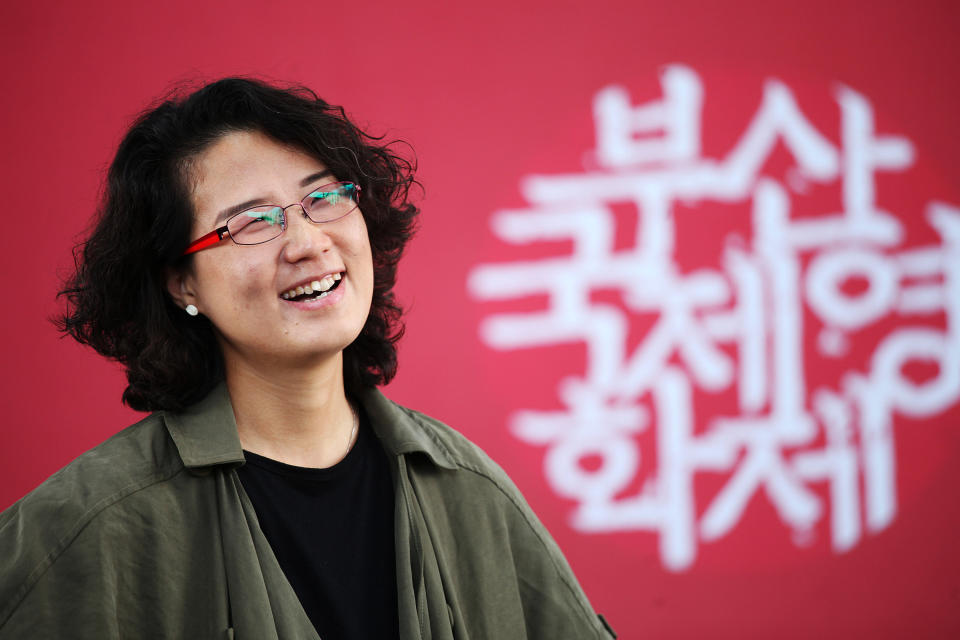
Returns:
(243,206)
(315,176)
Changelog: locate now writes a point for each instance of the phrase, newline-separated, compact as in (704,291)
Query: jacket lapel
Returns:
(262,603)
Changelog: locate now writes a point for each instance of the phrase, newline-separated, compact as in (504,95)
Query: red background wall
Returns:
(489,96)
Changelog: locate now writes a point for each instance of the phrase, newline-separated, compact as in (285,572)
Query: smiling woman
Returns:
(274,492)
(267,340)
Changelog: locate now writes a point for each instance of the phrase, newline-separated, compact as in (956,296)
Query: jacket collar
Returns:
(402,431)
(205,434)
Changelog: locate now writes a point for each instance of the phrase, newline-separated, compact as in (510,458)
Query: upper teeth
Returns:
(323,285)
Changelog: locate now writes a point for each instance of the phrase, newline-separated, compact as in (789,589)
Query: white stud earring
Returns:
(191,310)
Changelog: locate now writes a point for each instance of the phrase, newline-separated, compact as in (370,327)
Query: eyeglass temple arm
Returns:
(207,240)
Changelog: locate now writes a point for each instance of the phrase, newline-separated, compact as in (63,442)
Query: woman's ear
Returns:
(180,287)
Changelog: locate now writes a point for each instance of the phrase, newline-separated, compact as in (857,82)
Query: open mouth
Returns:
(314,290)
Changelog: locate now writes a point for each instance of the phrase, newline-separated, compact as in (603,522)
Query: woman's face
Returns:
(241,288)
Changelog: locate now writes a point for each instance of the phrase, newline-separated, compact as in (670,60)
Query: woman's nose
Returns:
(302,236)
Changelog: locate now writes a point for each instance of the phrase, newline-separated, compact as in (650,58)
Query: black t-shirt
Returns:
(332,533)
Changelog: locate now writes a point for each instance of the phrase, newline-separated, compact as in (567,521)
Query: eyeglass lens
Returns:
(261,224)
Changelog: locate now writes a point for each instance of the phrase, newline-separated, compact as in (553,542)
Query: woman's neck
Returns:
(298,416)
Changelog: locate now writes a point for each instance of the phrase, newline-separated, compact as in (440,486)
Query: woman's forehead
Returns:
(249,166)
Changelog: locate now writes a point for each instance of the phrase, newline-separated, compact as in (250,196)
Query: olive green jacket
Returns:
(150,535)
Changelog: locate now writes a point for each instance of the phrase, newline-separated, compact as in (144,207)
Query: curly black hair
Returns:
(117,301)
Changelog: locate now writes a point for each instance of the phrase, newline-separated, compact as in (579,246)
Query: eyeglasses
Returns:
(262,224)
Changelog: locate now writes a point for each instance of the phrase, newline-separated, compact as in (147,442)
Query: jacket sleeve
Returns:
(548,586)
(132,568)
(554,604)
(501,572)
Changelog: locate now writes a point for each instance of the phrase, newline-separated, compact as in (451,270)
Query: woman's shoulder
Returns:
(129,459)
(475,512)
(465,453)
(125,518)
(406,430)
(455,467)
(43,525)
